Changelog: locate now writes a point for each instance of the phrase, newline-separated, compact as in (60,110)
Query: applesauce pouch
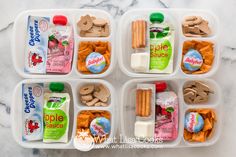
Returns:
(36,44)
(56,117)
(161,45)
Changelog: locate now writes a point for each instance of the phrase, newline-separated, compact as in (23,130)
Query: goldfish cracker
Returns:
(199,137)
(83,121)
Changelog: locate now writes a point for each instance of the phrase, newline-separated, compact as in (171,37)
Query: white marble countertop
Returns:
(226,12)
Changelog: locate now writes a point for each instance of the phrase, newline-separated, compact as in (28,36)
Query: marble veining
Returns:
(225,76)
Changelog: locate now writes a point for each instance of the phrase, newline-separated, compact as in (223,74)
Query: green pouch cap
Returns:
(56,86)
(157,17)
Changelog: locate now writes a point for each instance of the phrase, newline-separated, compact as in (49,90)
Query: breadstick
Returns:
(133,34)
(134,31)
(143,103)
(144,33)
(140,33)
(148,102)
(138,101)
(136,34)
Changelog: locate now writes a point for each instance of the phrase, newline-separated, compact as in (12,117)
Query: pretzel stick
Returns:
(143,103)
(140,33)
(144,33)
(148,102)
(133,34)
(138,101)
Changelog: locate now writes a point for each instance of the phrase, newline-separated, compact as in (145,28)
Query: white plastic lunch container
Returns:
(175,17)
(73,15)
(72,86)
(127,112)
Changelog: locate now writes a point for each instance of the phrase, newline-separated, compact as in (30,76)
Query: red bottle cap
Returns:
(161,86)
(60,20)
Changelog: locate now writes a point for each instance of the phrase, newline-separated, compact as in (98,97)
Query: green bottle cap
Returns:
(157,17)
(56,86)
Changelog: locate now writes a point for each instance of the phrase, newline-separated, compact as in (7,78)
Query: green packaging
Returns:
(56,117)
(161,45)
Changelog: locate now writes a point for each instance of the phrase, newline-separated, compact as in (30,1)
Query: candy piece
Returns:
(36,44)
(144,129)
(140,61)
(161,86)
(95,62)
(193,122)
(100,126)
(192,60)
(60,20)
(32,126)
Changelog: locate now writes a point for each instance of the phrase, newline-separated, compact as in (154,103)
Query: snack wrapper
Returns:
(166,127)
(60,49)
(36,44)
(32,96)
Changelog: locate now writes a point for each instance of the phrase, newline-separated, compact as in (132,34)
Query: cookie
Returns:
(85,23)
(196,92)
(99,22)
(102,94)
(88,89)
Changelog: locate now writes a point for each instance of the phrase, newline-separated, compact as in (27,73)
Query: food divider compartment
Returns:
(127,112)
(71,86)
(73,15)
(213,98)
(216,130)
(176,17)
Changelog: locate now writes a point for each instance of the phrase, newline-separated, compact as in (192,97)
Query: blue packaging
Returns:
(32,112)
(36,44)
